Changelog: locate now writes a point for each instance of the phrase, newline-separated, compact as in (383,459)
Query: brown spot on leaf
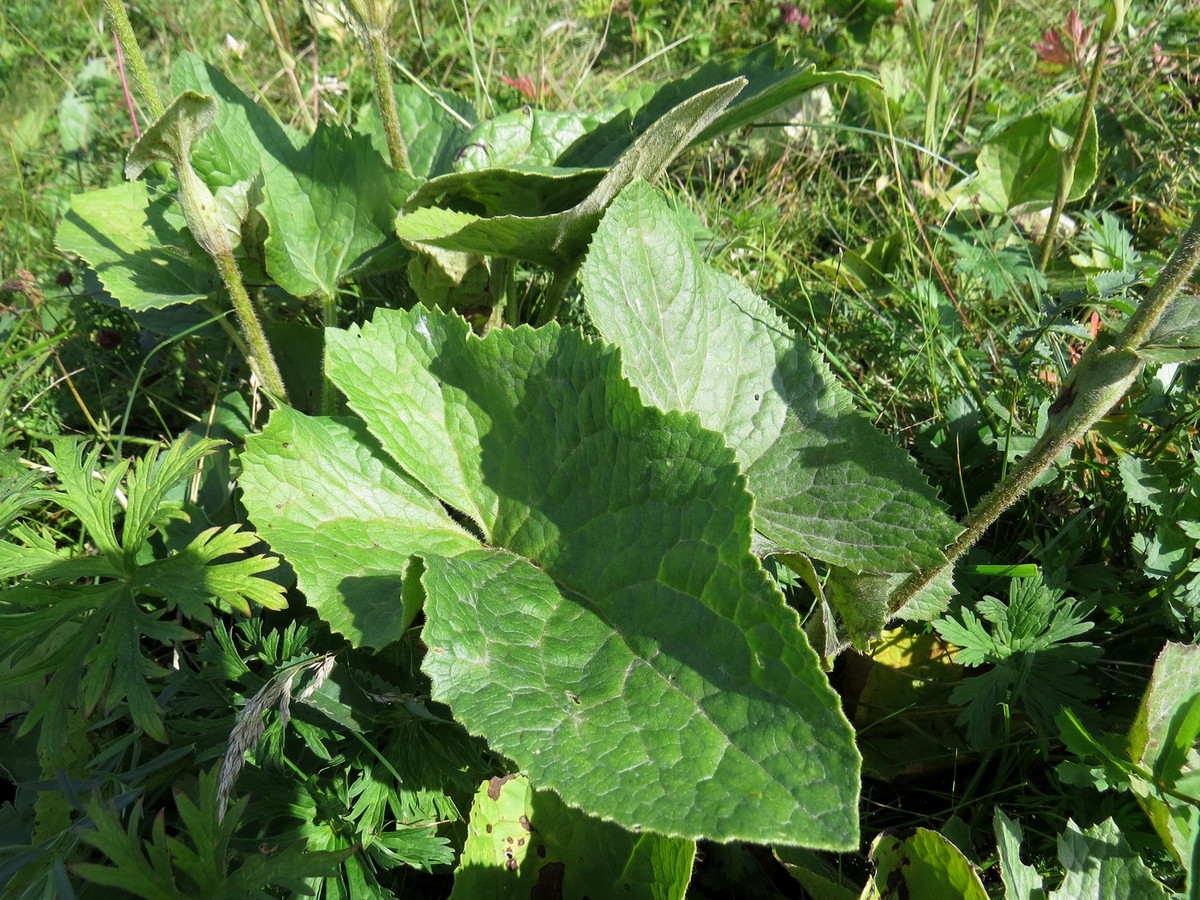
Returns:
(550,883)
(495,784)
(524,822)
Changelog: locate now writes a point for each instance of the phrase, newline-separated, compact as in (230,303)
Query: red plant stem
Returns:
(137,131)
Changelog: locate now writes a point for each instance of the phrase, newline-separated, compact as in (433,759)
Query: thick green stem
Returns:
(557,291)
(262,362)
(386,97)
(1095,385)
(1068,164)
(115,16)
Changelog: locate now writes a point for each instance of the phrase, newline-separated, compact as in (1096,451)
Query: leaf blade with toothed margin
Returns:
(825,481)
(350,539)
(616,602)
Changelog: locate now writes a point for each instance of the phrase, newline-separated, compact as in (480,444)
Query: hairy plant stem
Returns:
(386,97)
(118,20)
(261,360)
(1068,163)
(1094,386)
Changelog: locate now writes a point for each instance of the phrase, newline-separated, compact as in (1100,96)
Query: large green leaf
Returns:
(244,140)
(329,201)
(546,231)
(1021,882)
(1163,739)
(331,211)
(435,125)
(545,198)
(351,540)
(525,843)
(1099,864)
(1020,165)
(525,136)
(613,634)
(535,192)
(141,258)
(770,84)
(825,481)
(1176,337)
(921,864)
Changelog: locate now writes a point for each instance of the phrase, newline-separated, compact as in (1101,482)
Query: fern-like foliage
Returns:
(1035,666)
(84,618)
(197,861)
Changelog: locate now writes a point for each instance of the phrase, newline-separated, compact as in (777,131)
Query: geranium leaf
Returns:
(825,481)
